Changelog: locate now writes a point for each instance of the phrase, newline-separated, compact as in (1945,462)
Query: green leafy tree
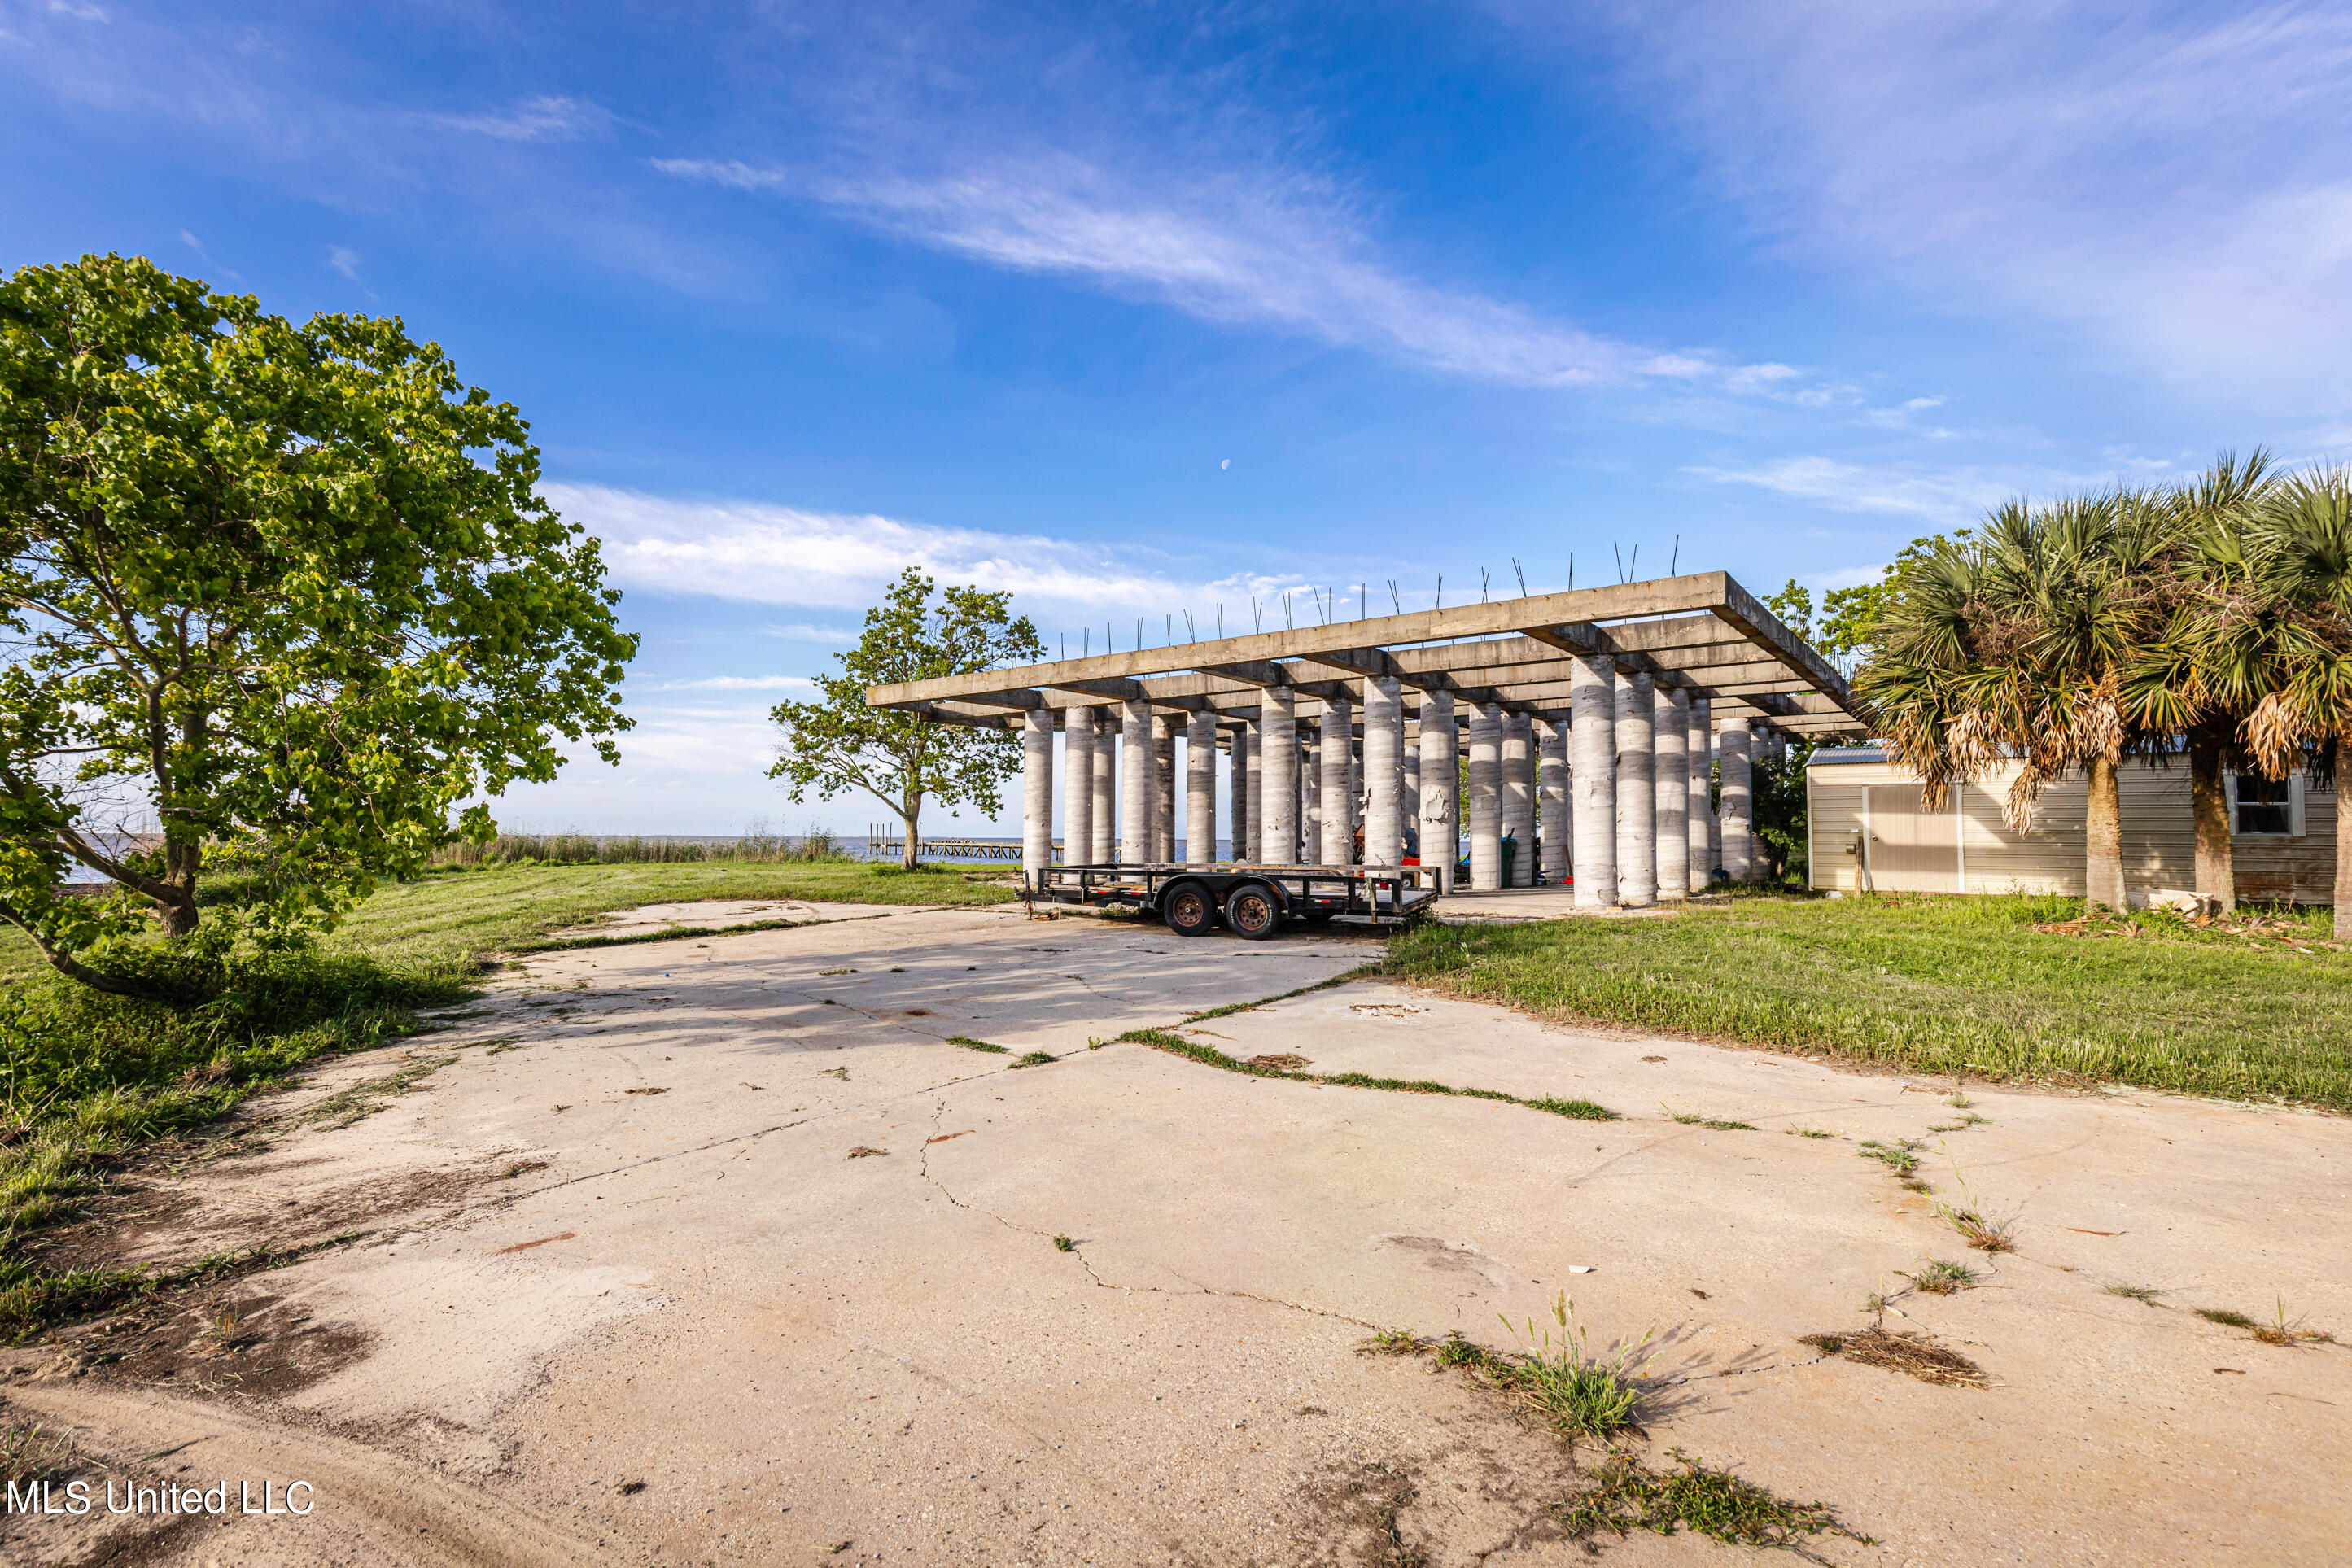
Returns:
(900,757)
(1794,605)
(273,585)
(1776,786)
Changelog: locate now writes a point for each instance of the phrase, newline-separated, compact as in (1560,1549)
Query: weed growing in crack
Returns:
(1063,1244)
(1572,1389)
(1689,1119)
(1958,1101)
(1984,1235)
(1901,1157)
(1626,1496)
(2225,1317)
(1275,1066)
(2145,1295)
(1035,1059)
(1912,1354)
(1575,1109)
(1939,1277)
(968,1043)
(1807,1132)
(1395,1342)
(2282,1332)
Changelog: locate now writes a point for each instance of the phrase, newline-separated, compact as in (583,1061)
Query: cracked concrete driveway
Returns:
(734,1256)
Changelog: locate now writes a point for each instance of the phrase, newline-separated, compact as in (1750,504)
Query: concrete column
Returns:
(1384,772)
(1409,808)
(1518,796)
(1702,807)
(1278,809)
(1335,756)
(1037,793)
(1671,746)
(1592,779)
(1163,789)
(1077,786)
(1106,792)
(1637,824)
(1201,790)
(1485,799)
(1252,770)
(1440,776)
(1135,783)
(1738,803)
(1551,795)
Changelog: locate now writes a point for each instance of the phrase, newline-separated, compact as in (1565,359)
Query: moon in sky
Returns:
(1226,463)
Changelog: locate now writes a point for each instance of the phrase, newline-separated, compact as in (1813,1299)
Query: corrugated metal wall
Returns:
(2159,839)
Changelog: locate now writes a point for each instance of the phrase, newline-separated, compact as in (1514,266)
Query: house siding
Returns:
(2158,836)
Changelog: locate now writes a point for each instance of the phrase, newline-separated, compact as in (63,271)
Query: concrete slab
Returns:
(778,1282)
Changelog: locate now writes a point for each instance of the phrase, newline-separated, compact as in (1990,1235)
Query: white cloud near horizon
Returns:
(751,552)
(1230,251)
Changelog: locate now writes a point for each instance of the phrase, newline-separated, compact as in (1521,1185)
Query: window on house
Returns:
(2263,805)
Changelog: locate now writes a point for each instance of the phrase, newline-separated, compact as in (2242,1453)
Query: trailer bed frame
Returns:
(1339,895)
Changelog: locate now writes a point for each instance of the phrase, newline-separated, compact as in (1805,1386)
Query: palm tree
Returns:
(2302,571)
(2010,644)
(2214,660)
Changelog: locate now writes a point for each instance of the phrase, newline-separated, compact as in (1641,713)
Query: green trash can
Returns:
(1511,853)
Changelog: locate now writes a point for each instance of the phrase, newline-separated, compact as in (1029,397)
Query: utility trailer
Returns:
(1254,900)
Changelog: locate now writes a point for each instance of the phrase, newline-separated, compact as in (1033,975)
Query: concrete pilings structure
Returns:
(1077,785)
(1334,761)
(1485,799)
(1409,796)
(1551,795)
(1135,783)
(1385,781)
(1036,791)
(1440,796)
(1278,809)
(1104,839)
(1700,804)
(1672,743)
(1592,780)
(1519,792)
(1697,634)
(1637,822)
(1163,789)
(1249,796)
(1201,790)
(1738,803)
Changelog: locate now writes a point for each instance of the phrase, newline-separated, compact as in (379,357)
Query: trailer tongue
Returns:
(1255,902)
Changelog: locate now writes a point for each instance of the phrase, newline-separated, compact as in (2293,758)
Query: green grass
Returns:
(1625,1495)
(460,914)
(1210,1056)
(1936,984)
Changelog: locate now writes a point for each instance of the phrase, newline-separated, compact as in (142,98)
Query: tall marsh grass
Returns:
(756,845)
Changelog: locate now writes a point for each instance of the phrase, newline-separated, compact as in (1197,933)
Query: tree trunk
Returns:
(912,814)
(178,906)
(2103,840)
(66,964)
(2209,805)
(2342,867)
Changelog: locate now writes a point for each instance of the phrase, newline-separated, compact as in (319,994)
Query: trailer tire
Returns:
(1253,911)
(1188,909)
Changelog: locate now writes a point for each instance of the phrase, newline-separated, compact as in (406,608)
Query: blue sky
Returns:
(1138,309)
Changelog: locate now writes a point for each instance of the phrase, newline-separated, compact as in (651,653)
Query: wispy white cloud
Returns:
(1231,250)
(799,632)
(737,683)
(1942,499)
(758,554)
(344,260)
(2168,180)
(533,119)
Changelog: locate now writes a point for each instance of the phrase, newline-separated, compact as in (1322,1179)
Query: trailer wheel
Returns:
(1189,910)
(1253,912)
